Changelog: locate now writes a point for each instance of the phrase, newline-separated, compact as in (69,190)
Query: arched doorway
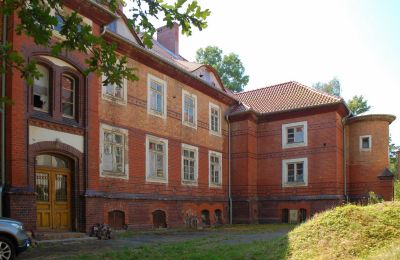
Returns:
(116,219)
(53,189)
(159,219)
(205,218)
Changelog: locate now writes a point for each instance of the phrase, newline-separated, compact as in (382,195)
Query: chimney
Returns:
(169,37)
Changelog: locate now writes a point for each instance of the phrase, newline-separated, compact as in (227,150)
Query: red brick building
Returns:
(175,148)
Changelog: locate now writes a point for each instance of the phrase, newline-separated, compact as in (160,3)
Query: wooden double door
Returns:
(53,199)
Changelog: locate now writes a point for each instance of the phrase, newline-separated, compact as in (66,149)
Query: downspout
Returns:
(344,119)
(229,170)
(3,118)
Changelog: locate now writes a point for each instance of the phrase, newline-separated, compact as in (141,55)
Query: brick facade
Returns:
(256,148)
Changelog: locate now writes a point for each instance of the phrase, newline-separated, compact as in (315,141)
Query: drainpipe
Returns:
(3,118)
(229,170)
(344,119)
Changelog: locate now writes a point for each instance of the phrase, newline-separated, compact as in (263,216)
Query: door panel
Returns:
(53,198)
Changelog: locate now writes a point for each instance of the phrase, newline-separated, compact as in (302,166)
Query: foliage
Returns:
(332,87)
(358,105)
(39,17)
(393,159)
(346,232)
(396,190)
(229,67)
(373,198)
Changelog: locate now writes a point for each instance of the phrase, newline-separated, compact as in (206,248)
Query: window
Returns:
(215,123)
(189,164)
(113,148)
(41,90)
(294,135)
(189,109)
(157,159)
(295,172)
(115,92)
(157,96)
(68,86)
(365,143)
(215,168)
(66,12)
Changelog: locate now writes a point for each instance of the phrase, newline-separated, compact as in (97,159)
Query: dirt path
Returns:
(72,248)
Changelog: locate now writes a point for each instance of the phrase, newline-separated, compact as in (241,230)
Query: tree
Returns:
(393,160)
(358,105)
(39,17)
(229,67)
(332,87)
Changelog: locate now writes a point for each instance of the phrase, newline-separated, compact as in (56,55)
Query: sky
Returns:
(357,41)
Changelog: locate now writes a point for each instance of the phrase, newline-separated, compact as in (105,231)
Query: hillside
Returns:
(347,232)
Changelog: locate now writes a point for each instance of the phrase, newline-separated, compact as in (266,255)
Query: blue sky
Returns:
(357,41)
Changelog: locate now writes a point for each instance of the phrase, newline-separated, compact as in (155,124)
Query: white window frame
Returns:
(210,106)
(285,127)
(196,164)
(73,97)
(370,143)
(163,83)
(211,184)
(150,178)
(67,11)
(121,101)
(285,163)
(194,97)
(124,133)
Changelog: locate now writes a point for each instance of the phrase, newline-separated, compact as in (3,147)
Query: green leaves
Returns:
(39,19)
(332,87)
(229,67)
(358,105)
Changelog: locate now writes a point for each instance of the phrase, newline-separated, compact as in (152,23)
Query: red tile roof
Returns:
(283,97)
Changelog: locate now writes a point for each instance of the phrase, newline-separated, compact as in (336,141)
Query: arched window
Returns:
(68,89)
(205,217)
(116,219)
(159,219)
(41,90)
(285,216)
(218,217)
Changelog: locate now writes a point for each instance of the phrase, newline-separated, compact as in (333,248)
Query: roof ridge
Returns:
(270,86)
(320,91)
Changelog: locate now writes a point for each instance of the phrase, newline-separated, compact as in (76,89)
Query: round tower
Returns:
(368,156)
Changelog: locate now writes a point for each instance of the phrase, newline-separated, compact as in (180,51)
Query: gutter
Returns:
(229,170)
(344,120)
(3,119)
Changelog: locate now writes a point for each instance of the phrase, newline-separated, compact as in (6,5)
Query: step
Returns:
(42,236)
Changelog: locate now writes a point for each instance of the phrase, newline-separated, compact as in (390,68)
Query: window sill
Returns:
(194,126)
(215,186)
(157,180)
(114,175)
(294,184)
(294,145)
(218,134)
(189,183)
(153,113)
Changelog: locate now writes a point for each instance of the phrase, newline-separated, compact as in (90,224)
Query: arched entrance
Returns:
(53,189)
(159,219)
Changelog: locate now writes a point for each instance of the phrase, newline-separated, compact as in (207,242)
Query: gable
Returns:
(120,27)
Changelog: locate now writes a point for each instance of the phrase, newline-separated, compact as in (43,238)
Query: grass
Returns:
(346,232)
(200,249)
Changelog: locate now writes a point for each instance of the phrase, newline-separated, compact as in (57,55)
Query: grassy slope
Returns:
(347,232)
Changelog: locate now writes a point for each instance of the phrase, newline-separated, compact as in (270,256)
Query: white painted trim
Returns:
(164,85)
(184,92)
(196,165)
(159,140)
(123,101)
(212,105)
(370,143)
(124,132)
(285,172)
(212,185)
(285,143)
